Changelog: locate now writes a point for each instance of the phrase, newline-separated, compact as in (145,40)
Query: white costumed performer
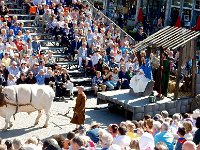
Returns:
(139,82)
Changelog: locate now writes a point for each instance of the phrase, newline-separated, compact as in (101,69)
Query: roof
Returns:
(168,37)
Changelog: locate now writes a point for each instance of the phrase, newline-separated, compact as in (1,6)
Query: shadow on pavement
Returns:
(17,132)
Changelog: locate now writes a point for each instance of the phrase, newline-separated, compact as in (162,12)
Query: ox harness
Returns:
(17,102)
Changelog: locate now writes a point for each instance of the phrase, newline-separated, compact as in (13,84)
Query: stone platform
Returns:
(139,106)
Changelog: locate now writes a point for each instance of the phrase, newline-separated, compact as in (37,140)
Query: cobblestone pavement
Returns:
(58,123)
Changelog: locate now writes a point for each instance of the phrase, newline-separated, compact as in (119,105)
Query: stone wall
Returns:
(179,106)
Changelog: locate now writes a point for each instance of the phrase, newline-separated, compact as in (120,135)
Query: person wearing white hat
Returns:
(14,69)
(139,82)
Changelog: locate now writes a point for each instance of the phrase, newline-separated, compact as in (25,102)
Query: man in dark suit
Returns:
(75,45)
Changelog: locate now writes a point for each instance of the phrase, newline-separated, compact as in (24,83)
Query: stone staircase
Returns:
(77,77)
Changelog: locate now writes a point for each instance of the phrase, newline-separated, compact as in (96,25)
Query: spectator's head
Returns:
(41,72)
(176,117)
(8,144)
(77,143)
(106,140)
(60,139)
(198,122)
(189,145)
(181,131)
(188,126)
(98,74)
(32,140)
(148,124)
(165,127)
(22,76)
(122,130)
(147,116)
(164,114)
(70,135)
(113,129)
(48,142)
(94,125)
(80,89)
(161,146)
(156,126)
(134,144)
(17,144)
(11,77)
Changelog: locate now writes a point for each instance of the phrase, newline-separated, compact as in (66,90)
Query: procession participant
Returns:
(139,82)
(79,109)
(161,82)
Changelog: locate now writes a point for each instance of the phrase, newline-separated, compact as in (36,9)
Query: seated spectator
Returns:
(130,73)
(123,78)
(17,144)
(23,68)
(21,79)
(122,139)
(165,136)
(106,79)
(93,133)
(113,130)
(9,145)
(6,60)
(181,132)
(77,143)
(97,83)
(40,77)
(106,141)
(188,129)
(31,78)
(36,46)
(14,69)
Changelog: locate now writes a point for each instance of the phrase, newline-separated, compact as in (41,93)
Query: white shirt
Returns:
(122,140)
(11,82)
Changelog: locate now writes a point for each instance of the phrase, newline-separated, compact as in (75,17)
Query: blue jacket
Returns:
(40,79)
(165,137)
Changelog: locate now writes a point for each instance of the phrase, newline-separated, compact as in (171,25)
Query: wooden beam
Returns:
(152,37)
(173,38)
(198,33)
(178,73)
(193,47)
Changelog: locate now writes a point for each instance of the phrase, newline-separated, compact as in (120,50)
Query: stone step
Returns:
(86,89)
(81,79)
(21,15)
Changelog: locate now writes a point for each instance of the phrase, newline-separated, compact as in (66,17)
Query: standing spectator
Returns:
(165,136)
(188,129)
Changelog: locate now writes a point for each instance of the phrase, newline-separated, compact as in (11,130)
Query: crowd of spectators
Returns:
(160,132)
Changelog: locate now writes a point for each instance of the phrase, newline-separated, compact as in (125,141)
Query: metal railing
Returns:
(95,12)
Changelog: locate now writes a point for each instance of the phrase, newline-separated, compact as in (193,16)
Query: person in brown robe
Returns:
(79,109)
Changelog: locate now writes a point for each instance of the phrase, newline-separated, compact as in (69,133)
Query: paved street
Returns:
(58,124)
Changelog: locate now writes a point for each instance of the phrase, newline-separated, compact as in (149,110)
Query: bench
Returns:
(68,64)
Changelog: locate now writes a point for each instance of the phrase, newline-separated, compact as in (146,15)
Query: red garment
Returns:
(19,45)
(178,22)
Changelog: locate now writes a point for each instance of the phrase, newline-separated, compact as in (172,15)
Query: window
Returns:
(197,5)
(187,3)
(176,2)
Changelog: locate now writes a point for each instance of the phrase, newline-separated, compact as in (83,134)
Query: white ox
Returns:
(26,98)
